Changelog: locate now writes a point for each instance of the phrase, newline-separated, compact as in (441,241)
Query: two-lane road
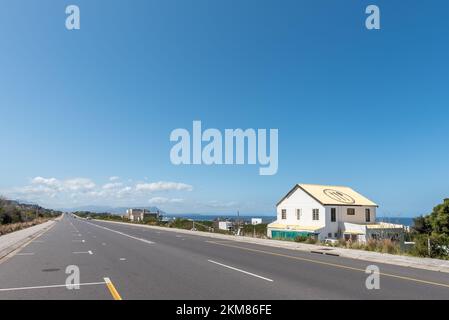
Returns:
(132,262)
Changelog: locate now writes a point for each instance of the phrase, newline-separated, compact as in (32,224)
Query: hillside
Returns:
(12,211)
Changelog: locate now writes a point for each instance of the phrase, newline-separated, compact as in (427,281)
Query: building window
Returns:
(298,214)
(351,211)
(316,214)
(367,215)
(336,235)
(284,214)
(333,214)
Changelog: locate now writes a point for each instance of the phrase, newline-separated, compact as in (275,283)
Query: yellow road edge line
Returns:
(112,289)
(332,264)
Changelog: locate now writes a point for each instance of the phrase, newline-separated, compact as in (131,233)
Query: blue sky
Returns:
(353,107)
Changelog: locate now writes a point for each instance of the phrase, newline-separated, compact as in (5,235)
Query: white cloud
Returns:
(163,200)
(163,186)
(79,184)
(114,178)
(126,191)
(54,184)
(63,193)
(40,190)
(113,185)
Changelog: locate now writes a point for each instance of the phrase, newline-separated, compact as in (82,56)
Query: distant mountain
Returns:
(25,202)
(108,209)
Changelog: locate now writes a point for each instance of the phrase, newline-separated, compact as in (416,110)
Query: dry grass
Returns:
(384,246)
(8,228)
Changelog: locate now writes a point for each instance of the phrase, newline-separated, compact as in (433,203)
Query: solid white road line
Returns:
(121,233)
(122,259)
(240,270)
(79,252)
(53,286)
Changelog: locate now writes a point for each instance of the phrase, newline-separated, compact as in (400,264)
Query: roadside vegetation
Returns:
(15,216)
(255,231)
(381,246)
(431,233)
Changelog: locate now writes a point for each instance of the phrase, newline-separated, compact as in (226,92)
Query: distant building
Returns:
(256,221)
(137,215)
(225,225)
(334,212)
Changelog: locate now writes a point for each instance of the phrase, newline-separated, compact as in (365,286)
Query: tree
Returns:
(435,223)
(439,218)
(6,218)
(432,232)
(421,225)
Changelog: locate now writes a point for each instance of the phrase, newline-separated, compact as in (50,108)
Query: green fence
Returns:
(289,235)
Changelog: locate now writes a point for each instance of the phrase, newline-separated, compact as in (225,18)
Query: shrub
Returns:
(312,240)
(11,227)
(371,245)
(439,246)
(388,246)
(301,239)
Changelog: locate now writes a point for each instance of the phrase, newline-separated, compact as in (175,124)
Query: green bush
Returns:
(439,246)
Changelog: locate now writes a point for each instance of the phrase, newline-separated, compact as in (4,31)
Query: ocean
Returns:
(406,221)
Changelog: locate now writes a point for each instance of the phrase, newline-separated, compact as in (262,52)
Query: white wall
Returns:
(300,200)
(224,225)
(342,217)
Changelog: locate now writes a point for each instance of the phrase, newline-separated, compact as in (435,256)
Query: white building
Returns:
(138,215)
(328,212)
(225,225)
(256,221)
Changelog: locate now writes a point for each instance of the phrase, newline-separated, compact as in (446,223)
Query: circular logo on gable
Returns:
(339,196)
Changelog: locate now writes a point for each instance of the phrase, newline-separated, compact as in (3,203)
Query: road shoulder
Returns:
(10,243)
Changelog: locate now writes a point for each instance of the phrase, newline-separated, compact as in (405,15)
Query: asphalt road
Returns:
(130,262)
